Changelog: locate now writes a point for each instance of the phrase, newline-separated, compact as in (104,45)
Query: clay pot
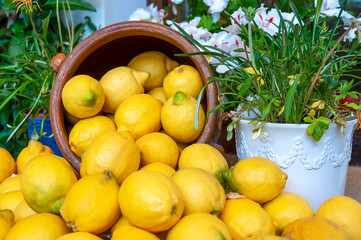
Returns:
(115,46)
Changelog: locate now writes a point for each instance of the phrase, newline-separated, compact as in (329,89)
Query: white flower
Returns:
(351,35)
(288,18)
(149,13)
(177,1)
(216,7)
(198,33)
(267,21)
(328,5)
(239,16)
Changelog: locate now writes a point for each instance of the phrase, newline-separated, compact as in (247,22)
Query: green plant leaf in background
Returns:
(45,23)
(74,5)
(8,6)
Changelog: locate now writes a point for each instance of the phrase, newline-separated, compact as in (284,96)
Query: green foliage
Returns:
(26,79)
(292,70)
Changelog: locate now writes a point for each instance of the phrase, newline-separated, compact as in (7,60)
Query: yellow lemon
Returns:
(160,167)
(204,156)
(151,200)
(178,114)
(158,93)
(91,205)
(6,222)
(111,151)
(184,78)
(199,226)
(120,222)
(79,236)
(345,211)
(86,130)
(10,184)
(10,200)
(83,96)
(7,164)
(245,218)
(33,149)
(286,208)
(314,228)
(42,226)
(119,84)
(257,178)
(266,237)
(45,181)
(129,232)
(22,211)
(201,191)
(139,114)
(158,147)
(156,63)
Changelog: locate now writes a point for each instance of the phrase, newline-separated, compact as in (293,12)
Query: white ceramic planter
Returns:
(316,170)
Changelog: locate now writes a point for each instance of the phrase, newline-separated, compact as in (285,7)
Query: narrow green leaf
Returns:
(290,96)
(45,23)
(229,136)
(8,6)
(74,5)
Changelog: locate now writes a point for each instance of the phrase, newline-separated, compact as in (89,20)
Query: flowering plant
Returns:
(284,67)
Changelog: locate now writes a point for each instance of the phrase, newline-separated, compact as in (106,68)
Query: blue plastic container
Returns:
(48,139)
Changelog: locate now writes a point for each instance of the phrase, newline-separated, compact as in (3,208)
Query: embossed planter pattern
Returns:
(316,170)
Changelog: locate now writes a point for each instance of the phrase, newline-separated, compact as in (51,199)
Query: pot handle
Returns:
(57,61)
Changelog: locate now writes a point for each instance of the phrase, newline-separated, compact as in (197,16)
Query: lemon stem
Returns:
(227,176)
(179,98)
(89,97)
(108,174)
(180,69)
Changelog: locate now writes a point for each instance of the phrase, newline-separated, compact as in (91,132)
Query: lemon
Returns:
(266,237)
(42,226)
(158,147)
(6,222)
(257,178)
(156,63)
(128,232)
(139,114)
(33,149)
(22,211)
(111,151)
(183,78)
(314,228)
(86,130)
(83,96)
(245,218)
(158,93)
(79,236)
(92,203)
(10,184)
(199,226)
(201,191)
(178,114)
(160,167)
(345,211)
(119,84)
(120,222)
(7,164)
(151,200)
(204,156)
(286,208)
(10,200)
(45,180)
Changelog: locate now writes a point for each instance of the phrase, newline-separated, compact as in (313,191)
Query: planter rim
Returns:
(290,125)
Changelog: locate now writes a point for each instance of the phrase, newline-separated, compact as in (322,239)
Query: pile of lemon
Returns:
(143,177)
(199,199)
